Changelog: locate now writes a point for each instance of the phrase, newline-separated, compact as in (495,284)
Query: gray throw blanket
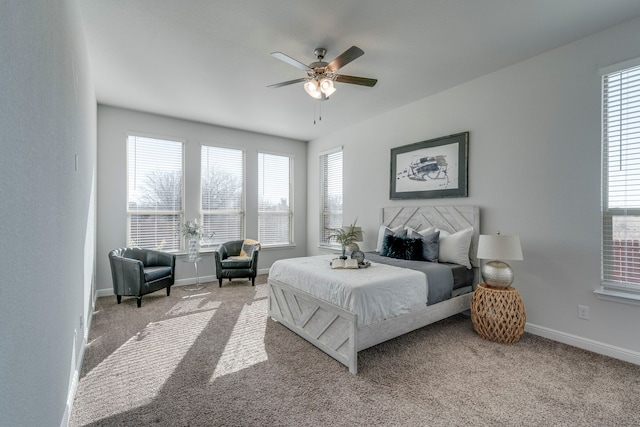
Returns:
(439,275)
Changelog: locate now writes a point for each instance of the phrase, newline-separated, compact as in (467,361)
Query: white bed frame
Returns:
(334,330)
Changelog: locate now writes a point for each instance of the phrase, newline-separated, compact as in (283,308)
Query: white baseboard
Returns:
(104,293)
(73,387)
(585,343)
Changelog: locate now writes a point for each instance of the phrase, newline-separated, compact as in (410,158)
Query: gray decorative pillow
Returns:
(402,234)
(386,231)
(430,245)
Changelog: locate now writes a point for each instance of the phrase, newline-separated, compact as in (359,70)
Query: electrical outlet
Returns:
(583,312)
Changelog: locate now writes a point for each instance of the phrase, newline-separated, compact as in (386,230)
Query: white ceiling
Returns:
(209,61)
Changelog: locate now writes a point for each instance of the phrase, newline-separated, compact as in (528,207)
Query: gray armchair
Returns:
(137,272)
(237,259)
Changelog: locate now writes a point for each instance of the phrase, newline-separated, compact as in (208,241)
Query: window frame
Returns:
(289,213)
(129,213)
(323,212)
(611,289)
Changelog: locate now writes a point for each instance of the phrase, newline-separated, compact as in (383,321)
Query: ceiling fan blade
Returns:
(362,81)
(347,56)
(289,60)
(290,82)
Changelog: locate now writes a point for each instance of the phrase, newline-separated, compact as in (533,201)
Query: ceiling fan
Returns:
(321,75)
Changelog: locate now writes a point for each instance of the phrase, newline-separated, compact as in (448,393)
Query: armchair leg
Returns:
(168,290)
(253,281)
(220,282)
(139,301)
(119,298)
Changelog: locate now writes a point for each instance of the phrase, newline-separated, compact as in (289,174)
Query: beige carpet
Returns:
(212,358)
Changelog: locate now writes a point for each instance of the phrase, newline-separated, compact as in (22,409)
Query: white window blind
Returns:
(331,194)
(154,192)
(222,185)
(621,179)
(275,215)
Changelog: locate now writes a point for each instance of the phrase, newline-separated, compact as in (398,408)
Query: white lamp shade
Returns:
(499,247)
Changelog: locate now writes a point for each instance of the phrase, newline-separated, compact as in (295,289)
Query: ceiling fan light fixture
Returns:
(319,82)
(327,87)
(313,88)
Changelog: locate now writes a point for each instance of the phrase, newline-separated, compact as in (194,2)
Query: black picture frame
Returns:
(432,169)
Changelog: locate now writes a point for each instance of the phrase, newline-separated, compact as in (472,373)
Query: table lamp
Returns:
(497,273)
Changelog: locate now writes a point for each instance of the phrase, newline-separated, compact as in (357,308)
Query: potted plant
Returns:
(345,236)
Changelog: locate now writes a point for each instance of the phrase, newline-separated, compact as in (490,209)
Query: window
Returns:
(275,216)
(621,180)
(154,193)
(330,194)
(222,185)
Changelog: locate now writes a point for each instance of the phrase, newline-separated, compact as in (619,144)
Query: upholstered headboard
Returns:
(449,218)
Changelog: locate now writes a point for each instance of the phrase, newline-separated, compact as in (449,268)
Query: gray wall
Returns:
(113,126)
(534,169)
(47,208)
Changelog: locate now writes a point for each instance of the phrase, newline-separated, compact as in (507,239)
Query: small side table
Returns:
(197,285)
(498,314)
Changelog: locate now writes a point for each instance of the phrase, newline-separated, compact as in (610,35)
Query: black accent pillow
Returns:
(398,247)
(413,249)
(393,247)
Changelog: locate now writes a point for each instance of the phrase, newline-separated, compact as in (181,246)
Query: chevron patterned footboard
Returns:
(330,328)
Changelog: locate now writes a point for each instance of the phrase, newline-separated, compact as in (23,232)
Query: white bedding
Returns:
(374,294)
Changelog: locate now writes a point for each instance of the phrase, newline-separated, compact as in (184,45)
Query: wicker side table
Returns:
(498,314)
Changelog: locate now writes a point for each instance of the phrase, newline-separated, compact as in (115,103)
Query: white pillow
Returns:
(384,230)
(455,247)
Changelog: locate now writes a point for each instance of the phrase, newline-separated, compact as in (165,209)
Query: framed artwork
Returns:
(430,169)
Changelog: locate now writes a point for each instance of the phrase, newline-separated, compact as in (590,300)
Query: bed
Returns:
(345,311)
